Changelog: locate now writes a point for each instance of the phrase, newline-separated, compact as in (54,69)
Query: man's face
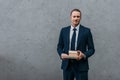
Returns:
(75,18)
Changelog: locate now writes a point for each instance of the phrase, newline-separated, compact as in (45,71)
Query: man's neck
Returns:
(74,25)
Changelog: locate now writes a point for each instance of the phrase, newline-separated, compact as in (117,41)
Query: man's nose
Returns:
(76,18)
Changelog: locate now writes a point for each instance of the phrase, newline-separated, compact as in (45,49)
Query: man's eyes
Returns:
(76,16)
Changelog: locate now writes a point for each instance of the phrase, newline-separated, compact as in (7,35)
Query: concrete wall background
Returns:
(29,31)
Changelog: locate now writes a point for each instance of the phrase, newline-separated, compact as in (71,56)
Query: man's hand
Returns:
(64,56)
(81,55)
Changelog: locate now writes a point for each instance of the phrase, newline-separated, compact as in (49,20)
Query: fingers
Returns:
(80,56)
(64,56)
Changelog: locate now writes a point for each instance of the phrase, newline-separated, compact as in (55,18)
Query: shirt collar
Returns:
(77,27)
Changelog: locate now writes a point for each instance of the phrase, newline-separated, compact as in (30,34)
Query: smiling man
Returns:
(77,40)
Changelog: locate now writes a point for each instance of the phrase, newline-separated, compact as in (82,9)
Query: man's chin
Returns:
(76,24)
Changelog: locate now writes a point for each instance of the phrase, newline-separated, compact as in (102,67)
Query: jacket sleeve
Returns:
(90,45)
(60,44)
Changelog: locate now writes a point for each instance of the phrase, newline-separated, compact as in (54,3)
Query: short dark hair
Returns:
(75,10)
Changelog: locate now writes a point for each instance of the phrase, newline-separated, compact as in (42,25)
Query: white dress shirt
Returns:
(71,33)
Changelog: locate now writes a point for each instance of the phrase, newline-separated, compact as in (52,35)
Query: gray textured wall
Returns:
(29,31)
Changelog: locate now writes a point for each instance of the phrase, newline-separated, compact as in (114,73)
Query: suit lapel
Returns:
(79,35)
(68,35)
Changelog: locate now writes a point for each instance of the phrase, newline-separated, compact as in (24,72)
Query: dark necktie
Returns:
(73,39)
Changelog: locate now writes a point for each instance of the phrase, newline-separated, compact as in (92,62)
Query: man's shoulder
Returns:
(67,27)
(84,27)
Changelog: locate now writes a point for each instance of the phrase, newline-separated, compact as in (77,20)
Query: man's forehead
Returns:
(75,13)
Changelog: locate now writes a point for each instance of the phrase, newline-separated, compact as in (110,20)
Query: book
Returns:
(73,55)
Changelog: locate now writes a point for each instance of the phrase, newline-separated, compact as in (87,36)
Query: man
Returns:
(76,38)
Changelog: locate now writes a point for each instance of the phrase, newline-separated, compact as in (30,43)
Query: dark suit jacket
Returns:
(84,44)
